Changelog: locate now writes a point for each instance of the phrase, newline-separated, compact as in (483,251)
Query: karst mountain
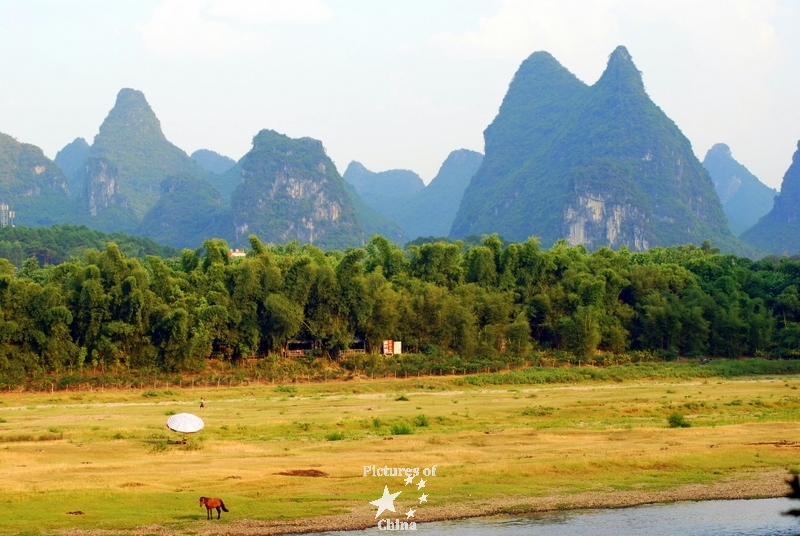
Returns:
(598,165)
(289,189)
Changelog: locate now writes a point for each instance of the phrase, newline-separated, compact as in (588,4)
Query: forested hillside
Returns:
(33,186)
(105,308)
(60,243)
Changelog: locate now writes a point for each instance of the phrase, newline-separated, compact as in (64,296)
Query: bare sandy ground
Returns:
(749,486)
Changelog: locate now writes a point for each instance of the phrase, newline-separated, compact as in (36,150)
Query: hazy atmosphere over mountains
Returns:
(596,164)
(744,198)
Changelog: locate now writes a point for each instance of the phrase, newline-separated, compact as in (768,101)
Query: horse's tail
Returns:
(222,505)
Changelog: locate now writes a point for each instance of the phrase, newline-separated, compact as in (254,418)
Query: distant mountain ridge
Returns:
(598,165)
(383,187)
(212,161)
(744,198)
(778,231)
(420,212)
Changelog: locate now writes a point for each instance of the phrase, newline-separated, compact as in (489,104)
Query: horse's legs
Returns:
(209,515)
(219,512)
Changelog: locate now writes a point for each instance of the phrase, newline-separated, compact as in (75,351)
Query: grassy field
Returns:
(104,459)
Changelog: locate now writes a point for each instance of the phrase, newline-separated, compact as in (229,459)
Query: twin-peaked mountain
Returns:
(598,165)
(744,198)
(401,195)
(778,231)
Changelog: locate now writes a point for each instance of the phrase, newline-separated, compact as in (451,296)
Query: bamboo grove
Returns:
(105,309)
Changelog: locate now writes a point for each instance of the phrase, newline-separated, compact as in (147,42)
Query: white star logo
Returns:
(410,513)
(423,499)
(420,484)
(409,480)
(386,502)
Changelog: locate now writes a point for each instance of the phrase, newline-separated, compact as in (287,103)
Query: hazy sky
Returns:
(393,84)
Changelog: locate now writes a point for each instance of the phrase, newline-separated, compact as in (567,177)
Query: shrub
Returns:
(421,420)
(676,420)
(402,428)
(538,411)
(335,436)
(285,389)
(150,393)
(402,398)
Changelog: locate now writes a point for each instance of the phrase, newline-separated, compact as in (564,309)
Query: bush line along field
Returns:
(507,440)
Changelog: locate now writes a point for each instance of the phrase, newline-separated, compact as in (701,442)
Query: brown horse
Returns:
(211,504)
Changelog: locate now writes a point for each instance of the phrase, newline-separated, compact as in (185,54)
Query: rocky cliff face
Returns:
(290,190)
(778,231)
(599,165)
(744,198)
(103,188)
(590,220)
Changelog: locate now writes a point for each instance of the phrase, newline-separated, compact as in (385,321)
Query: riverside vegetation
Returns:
(457,309)
(101,459)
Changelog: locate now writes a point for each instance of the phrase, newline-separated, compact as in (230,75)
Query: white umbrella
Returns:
(185,423)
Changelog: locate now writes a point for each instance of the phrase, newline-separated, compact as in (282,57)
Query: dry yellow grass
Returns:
(521,448)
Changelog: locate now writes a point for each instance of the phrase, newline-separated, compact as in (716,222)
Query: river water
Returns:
(757,517)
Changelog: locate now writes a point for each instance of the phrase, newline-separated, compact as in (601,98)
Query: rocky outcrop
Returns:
(102,188)
(591,220)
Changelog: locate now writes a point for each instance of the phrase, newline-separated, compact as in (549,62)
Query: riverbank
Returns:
(768,484)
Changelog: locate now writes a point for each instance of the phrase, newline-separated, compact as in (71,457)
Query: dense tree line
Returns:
(488,299)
